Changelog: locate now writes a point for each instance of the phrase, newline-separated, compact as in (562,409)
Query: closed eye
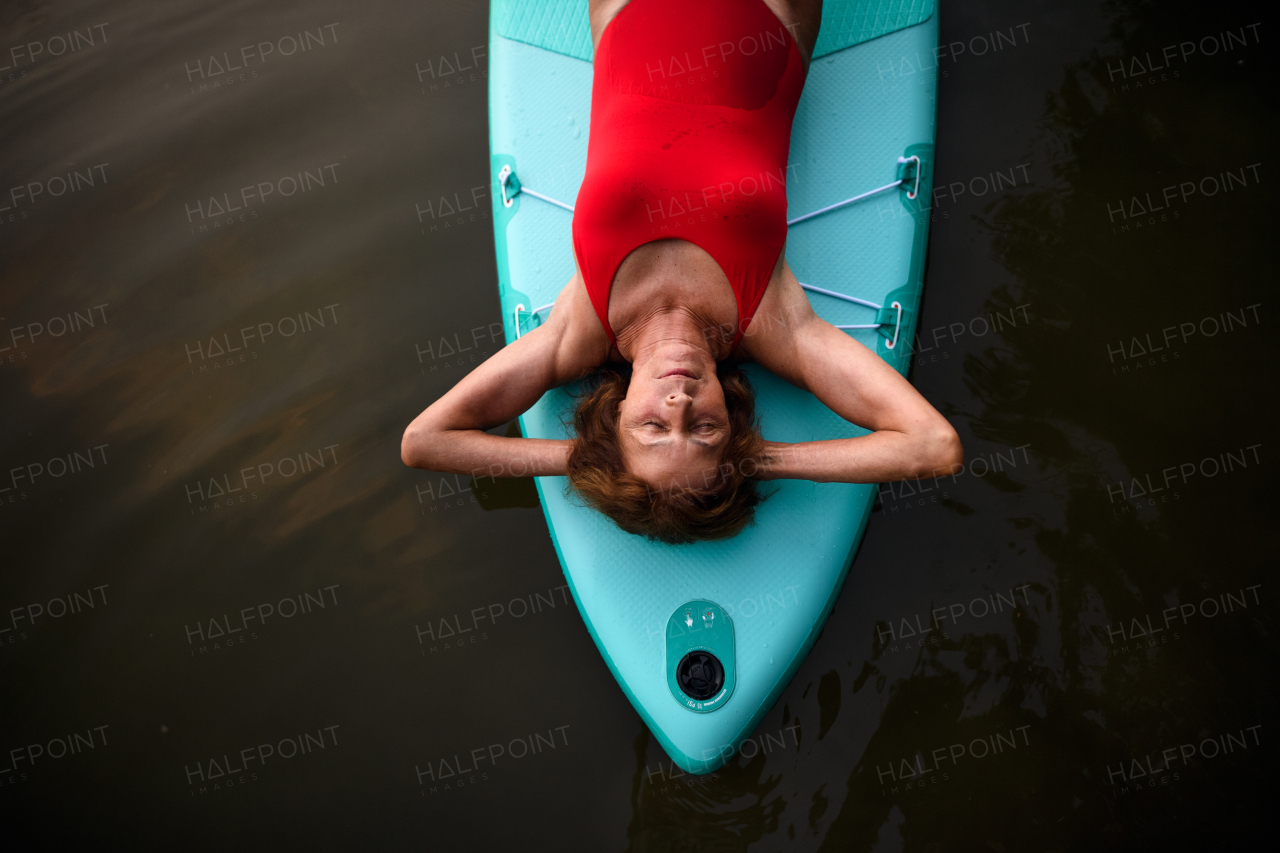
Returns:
(704,428)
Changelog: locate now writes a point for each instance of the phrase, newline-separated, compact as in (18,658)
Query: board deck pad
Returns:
(562,25)
(865,104)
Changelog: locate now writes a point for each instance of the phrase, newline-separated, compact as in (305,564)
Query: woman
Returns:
(681,276)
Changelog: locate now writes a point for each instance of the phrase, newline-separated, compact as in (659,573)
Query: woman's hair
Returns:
(716,509)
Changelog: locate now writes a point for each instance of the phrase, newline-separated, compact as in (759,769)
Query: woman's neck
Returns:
(668,330)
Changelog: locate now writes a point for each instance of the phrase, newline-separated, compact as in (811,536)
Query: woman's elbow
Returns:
(939,453)
(945,453)
(412,448)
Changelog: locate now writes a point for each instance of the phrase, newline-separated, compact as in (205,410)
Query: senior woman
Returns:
(680,277)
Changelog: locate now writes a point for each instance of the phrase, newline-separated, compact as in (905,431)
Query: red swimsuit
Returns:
(691,112)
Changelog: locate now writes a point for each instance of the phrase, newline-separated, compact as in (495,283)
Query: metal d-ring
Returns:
(912,193)
(503,176)
(897,326)
(534,313)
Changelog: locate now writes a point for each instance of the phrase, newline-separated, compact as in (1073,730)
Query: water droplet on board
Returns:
(577,131)
(770,661)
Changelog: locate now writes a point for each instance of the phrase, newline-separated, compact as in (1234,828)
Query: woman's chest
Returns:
(671,274)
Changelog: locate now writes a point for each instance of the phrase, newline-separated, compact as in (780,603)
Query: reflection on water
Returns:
(230,612)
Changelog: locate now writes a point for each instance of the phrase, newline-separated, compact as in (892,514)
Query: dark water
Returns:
(1067,647)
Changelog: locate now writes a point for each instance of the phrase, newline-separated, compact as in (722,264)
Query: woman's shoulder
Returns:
(601,12)
(573,329)
(783,317)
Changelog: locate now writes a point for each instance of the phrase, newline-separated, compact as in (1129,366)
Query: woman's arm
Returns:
(910,439)
(449,436)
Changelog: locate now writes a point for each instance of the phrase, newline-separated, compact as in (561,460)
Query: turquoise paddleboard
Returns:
(703,638)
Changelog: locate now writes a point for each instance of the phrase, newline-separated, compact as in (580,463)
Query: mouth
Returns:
(678,372)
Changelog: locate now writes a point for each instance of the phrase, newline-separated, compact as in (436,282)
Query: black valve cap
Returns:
(700,675)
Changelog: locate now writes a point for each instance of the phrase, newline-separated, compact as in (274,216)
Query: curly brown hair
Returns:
(677,515)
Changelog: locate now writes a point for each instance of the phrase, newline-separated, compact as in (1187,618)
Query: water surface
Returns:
(245,244)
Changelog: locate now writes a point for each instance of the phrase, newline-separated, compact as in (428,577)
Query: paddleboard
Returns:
(703,638)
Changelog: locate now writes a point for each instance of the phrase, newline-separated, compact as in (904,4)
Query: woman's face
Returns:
(674,424)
